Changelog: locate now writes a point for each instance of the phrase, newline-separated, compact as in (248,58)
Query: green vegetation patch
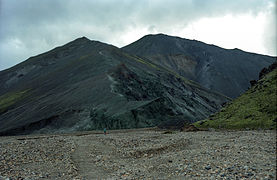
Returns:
(255,109)
(141,61)
(11,98)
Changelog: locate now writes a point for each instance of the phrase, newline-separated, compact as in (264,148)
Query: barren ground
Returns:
(140,154)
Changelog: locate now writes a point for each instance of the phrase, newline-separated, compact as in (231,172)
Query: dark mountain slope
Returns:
(255,109)
(86,85)
(222,70)
(49,63)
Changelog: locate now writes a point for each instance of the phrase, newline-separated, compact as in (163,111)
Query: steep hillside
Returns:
(218,69)
(255,109)
(87,85)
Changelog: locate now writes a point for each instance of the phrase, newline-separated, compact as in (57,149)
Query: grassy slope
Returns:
(11,98)
(254,109)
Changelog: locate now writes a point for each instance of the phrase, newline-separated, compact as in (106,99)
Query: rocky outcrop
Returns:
(267,70)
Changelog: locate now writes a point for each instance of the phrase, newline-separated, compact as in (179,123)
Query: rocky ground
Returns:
(140,154)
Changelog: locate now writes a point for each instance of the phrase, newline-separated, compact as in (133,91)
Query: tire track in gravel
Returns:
(87,150)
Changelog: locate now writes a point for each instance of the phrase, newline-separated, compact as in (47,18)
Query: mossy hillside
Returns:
(256,109)
(11,98)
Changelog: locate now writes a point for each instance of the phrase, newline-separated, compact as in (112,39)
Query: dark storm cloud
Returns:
(30,27)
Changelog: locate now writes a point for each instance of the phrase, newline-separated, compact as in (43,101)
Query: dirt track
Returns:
(140,154)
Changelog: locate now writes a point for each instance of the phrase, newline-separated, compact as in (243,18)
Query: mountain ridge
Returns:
(157,35)
(86,85)
(209,65)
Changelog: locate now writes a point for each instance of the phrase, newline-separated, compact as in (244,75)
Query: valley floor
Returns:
(140,154)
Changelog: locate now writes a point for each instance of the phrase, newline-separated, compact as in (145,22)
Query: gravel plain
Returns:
(140,154)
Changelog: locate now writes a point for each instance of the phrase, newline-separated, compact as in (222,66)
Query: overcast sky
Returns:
(31,27)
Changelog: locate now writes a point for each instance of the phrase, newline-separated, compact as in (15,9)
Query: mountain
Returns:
(254,109)
(86,85)
(227,71)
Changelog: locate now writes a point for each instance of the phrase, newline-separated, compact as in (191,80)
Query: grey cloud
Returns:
(37,26)
(270,33)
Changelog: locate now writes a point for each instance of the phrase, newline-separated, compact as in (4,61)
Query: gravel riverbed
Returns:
(140,154)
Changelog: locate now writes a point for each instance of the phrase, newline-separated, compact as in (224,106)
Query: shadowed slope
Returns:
(223,70)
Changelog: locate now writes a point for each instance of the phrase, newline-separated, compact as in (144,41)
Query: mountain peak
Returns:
(85,42)
(158,36)
(81,40)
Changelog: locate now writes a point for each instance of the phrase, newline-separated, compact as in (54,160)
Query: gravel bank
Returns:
(36,157)
(141,154)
